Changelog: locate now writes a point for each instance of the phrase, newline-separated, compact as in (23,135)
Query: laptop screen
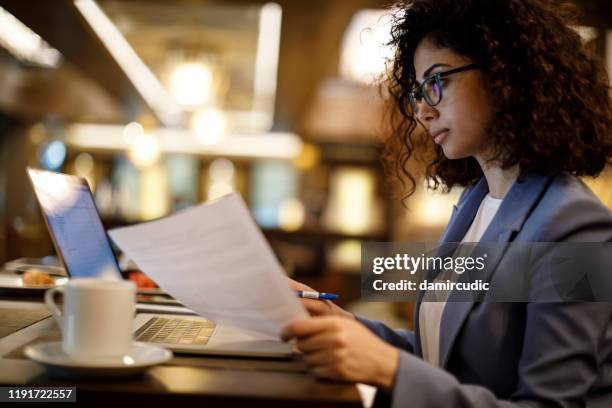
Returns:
(74,224)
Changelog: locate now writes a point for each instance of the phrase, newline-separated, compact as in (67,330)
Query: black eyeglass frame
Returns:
(418,94)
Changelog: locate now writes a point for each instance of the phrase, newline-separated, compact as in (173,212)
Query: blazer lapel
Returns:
(512,214)
(464,213)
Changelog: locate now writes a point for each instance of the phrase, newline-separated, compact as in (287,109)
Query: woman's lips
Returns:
(439,136)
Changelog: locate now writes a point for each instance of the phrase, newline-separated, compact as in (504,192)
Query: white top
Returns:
(487,210)
(430,313)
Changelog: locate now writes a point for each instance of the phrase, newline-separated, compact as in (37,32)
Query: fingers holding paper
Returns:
(316,307)
(342,349)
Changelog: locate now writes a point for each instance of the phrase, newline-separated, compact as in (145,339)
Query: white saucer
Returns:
(60,364)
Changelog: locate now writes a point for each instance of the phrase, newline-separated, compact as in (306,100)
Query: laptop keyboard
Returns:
(176,330)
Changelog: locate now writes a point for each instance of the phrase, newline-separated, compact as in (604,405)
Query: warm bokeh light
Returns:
(84,166)
(346,255)
(291,214)
(154,201)
(131,131)
(364,50)
(309,157)
(602,186)
(191,84)
(431,208)
(221,171)
(144,150)
(351,208)
(209,126)
(139,73)
(282,146)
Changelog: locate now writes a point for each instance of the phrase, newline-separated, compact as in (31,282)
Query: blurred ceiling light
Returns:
(364,46)
(209,126)
(25,44)
(266,58)
(147,84)
(131,131)
(191,84)
(291,214)
(277,145)
(143,148)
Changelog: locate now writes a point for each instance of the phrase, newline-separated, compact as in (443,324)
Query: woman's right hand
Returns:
(319,307)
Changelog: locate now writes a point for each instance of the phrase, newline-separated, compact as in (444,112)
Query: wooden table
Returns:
(209,381)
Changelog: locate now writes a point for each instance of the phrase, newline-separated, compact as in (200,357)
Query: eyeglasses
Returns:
(431,89)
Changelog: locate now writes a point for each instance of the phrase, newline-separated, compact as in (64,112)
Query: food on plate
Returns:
(142,281)
(37,277)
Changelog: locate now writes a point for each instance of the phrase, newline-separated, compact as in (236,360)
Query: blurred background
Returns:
(163,104)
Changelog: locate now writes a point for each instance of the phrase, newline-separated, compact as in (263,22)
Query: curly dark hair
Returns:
(552,108)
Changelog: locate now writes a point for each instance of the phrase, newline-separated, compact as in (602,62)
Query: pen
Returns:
(317,295)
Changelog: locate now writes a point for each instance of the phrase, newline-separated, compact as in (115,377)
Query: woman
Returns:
(517,109)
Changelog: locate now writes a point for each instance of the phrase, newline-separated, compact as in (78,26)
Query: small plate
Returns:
(12,285)
(60,364)
(150,291)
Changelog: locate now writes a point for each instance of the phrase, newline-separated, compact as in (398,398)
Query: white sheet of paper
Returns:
(214,259)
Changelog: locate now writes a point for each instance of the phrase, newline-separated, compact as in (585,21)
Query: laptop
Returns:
(84,248)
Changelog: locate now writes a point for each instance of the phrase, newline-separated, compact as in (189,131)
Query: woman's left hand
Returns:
(343,349)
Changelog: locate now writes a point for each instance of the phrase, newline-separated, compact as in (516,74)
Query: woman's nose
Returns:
(426,113)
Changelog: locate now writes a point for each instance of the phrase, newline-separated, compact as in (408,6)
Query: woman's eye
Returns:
(431,83)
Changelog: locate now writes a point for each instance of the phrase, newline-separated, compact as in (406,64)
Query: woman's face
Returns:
(459,122)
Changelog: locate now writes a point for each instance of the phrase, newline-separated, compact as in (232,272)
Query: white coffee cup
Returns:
(97,318)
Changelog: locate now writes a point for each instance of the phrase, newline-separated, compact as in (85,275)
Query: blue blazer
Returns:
(515,354)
